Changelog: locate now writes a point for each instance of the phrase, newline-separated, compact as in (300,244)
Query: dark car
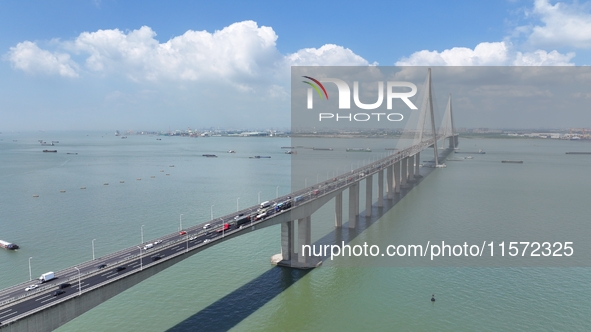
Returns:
(120,268)
(102,266)
(155,258)
(64,285)
(58,292)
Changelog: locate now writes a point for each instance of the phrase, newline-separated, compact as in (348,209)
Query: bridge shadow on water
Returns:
(255,294)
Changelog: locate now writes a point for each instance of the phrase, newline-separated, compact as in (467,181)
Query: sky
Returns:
(147,65)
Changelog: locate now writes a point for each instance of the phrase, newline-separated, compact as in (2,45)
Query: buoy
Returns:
(433,298)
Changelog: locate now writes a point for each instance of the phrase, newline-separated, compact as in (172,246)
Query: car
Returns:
(102,266)
(315,192)
(157,242)
(182,233)
(155,258)
(64,285)
(58,292)
(238,216)
(31,288)
(206,226)
(192,238)
(206,241)
(120,268)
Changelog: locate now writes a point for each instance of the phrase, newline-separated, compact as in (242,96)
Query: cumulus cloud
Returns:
(239,54)
(486,54)
(27,56)
(483,54)
(240,50)
(327,55)
(562,25)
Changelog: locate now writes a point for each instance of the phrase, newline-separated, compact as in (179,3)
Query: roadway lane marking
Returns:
(3,312)
(10,314)
(49,299)
(42,297)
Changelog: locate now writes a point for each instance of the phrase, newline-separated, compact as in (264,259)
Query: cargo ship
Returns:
(8,245)
(359,150)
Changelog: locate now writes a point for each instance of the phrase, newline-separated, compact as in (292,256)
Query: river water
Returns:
(233,285)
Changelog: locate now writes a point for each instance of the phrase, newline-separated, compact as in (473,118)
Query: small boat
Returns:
(72,153)
(62,191)
(49,150)
(123,136)
(259,157)
(159,139)
(35,195)
(55,142)
(469,157)
(231,151)
(291,152)
(8,245)
(82,187)
(210,155)
(322,149)
(512,161)
(152,176)
(105,184)
(171,166)
(121,181)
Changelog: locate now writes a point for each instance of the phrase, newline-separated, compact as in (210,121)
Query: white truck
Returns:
(46,277)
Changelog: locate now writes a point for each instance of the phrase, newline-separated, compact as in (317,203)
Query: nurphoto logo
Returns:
(344,98)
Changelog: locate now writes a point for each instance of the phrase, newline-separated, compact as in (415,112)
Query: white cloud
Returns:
(563,25)
(327,55)
(486,54)
(27,56)
(543,58)
(240,50)
(242,54)
(483,54)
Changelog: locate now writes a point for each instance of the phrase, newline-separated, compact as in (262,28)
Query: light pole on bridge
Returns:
(93,248)
(259,197)
(277,192)
(181,222)
(30,276)
(79,282)
(142,232)
(211,210)
(141,263)
(237,208)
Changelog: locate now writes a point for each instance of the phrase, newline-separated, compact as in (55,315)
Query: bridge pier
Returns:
(353,202)
(417,162)
(287,240)
(303,259)
(389,182)
(304,238)
(404,172)
(338,213)
(381,188)
(368,195)
(397,176)
(411,169)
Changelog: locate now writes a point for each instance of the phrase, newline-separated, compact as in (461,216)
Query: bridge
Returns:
(80,288)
